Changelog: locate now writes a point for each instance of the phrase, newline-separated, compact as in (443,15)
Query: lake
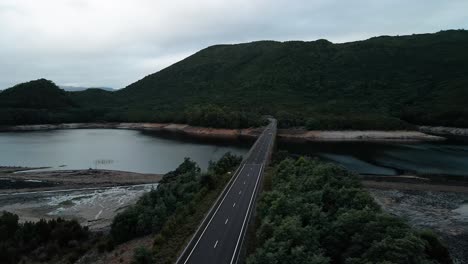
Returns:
(128,150)
(450,158)
(145,152)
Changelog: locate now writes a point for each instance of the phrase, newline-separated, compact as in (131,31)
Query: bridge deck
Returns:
(221,238)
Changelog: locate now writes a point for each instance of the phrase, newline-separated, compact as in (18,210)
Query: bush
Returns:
(41,241)
(142,255)
(317,212)
(175,191)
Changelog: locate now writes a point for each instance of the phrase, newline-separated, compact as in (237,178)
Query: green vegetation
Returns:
(174,210)
(315,212)
(142,255)
(172,213)
(380,83)
(180,228)
(152,210)
(41,242)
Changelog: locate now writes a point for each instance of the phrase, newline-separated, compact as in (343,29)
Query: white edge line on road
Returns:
(246,160)
(234,176)
(206,227)
(247,214)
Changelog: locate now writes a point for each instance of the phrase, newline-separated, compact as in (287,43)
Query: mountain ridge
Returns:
(381,83)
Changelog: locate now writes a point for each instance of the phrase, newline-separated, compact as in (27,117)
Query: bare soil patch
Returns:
(441,208)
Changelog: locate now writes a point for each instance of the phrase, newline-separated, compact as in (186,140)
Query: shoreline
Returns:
(35,181)
(413,186)
(285,135)
(445,131)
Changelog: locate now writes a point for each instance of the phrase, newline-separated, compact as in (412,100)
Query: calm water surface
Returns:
(145,152)
(129,150)
(449,158)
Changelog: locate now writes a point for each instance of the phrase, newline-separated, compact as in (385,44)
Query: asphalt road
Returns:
(221,240)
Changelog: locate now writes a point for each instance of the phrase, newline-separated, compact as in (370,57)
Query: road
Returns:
(221,239)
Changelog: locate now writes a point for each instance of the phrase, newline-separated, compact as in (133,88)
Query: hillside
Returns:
(381,83)
(420,79)
(38,94)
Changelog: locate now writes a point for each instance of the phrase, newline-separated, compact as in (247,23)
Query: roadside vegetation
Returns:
(316,212)
(173,211)
(381,83)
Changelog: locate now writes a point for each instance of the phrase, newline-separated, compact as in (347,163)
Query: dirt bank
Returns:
(122,253)
(283,134)
(445,131)
(354,135)
(71,179)
(406,186)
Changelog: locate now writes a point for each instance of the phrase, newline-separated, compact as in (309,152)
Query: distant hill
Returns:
(380,83)
(79,88)
(38,94)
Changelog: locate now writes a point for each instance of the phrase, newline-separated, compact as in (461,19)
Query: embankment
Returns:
(445,131)
(296,135)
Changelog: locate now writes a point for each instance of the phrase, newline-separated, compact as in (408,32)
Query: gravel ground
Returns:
(444,212)
(92,207)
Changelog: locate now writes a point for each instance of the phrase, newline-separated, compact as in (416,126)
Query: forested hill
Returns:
(384,82)
(38,94)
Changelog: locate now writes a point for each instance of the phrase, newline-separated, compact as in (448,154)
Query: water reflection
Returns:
(129,150)
(449,158)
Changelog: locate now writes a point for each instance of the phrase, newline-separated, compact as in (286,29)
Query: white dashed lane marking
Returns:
(227,219)
(215,244)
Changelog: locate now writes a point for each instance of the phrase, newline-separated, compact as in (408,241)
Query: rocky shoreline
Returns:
(292,135)
(433,207)
(92,197)
(445,131)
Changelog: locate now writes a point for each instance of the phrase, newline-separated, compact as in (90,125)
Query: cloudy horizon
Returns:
(109,43)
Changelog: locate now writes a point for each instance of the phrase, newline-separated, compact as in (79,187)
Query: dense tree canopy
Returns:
(318,213)
(176,190)
(43,241)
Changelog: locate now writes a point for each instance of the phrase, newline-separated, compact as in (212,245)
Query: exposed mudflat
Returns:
(93,197)
(443,209)
(33,180)
(92,207)
(355,135)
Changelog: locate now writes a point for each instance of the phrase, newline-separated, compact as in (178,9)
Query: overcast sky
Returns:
(116,42)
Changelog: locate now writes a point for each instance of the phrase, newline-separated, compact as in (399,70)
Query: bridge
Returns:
(219,238)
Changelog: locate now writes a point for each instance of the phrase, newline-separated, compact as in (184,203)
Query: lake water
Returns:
(128,150)
(449,158)
(149,153)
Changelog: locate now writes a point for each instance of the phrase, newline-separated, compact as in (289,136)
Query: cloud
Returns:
(116,42)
